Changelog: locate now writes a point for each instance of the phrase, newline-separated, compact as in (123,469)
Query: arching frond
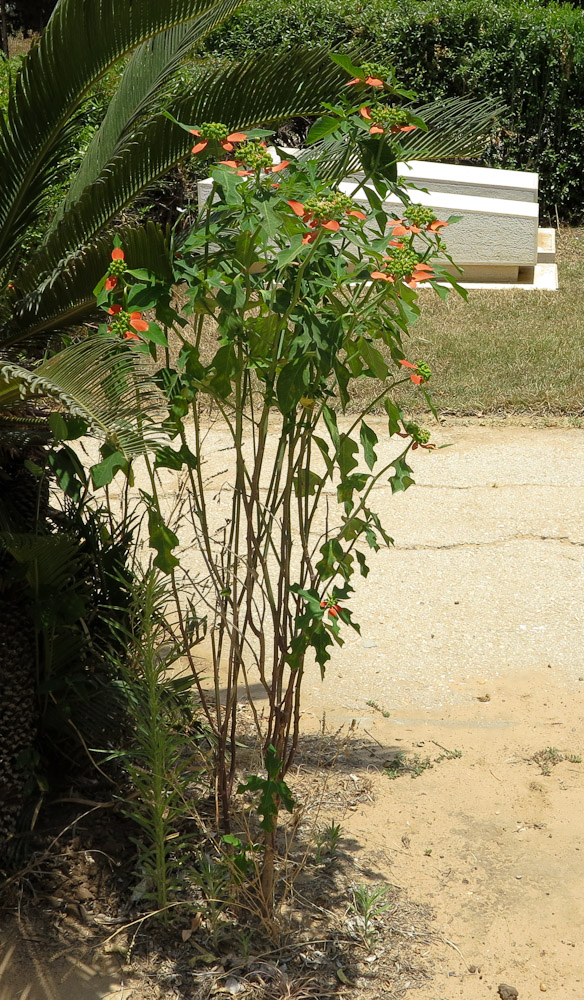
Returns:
(144,83)
(458,128)
(266,89)
(81,41)
(100,380)
(65,295)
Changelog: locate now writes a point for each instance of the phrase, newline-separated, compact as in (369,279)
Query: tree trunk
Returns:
(4,27)
(23,510)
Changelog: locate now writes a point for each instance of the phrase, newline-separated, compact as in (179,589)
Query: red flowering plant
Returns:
(124,293)
(296,288)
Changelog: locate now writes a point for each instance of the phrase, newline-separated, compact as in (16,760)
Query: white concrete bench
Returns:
(498,242)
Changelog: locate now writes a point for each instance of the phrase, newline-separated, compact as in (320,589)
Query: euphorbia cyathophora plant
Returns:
(310,285)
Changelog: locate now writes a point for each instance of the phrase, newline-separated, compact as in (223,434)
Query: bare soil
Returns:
(445,741)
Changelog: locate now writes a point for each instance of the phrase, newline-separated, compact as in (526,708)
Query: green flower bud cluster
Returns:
(419,434)
(402,262)
(388,117)
(117,266)
(121,323)
(213,130)
(254,156)
(325,207)
(377,70)
(419,215)
(424,370)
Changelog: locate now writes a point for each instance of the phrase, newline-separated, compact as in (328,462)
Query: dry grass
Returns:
(515,351)
(498,354)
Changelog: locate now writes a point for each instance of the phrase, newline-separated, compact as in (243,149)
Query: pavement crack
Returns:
(500,486)
(518,537)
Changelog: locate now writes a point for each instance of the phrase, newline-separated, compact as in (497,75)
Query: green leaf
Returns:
(154,335)
(395,415)
(322,127)
(364,568)
(68,470)
(272,792)
(291,384)
(356,482)
(401,480)
(306,483)
(346,63)
(321,640)
(166,458)
(368,441)
(285,256)
(346,455)
(323,448)
(103,472)
(163,540)
(330,420)
(373,359)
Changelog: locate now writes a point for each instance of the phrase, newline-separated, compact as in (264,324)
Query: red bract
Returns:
(116,268)
(378,129)
(129,319)
(226,144)
(415,376)
(371,81)
(235,166)
(333,609)
(331,225)
(421,272)
(401,227)
(297,207)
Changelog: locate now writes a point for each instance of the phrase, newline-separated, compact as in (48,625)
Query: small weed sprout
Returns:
(378,708)
(369,903)
(327,842)
(549,757)
(214,882)
(415,765)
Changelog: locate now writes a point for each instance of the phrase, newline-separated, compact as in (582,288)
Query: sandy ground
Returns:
(481,598)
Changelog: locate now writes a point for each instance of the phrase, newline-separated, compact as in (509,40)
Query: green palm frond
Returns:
(80,43)
(265,90)
(100,380)
(458,128)
(145,81)
(51,560)
(65,295)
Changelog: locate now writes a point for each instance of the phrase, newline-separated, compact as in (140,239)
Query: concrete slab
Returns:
(486,182)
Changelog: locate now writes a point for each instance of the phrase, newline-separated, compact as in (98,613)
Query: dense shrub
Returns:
(527,52)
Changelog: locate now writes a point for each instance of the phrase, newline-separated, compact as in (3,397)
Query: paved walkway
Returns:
(486,576)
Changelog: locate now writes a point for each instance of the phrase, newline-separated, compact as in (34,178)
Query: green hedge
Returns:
(528,52)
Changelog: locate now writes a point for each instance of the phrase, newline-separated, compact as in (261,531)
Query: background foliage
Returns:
(528,52)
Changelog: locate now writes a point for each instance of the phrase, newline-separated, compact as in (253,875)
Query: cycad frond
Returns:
(65,294)
(266,89)
(143,85)
(100,380)
(81,41)
(458,128)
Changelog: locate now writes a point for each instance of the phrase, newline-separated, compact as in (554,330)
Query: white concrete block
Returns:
(481,182)
(497,242)
(493,231)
